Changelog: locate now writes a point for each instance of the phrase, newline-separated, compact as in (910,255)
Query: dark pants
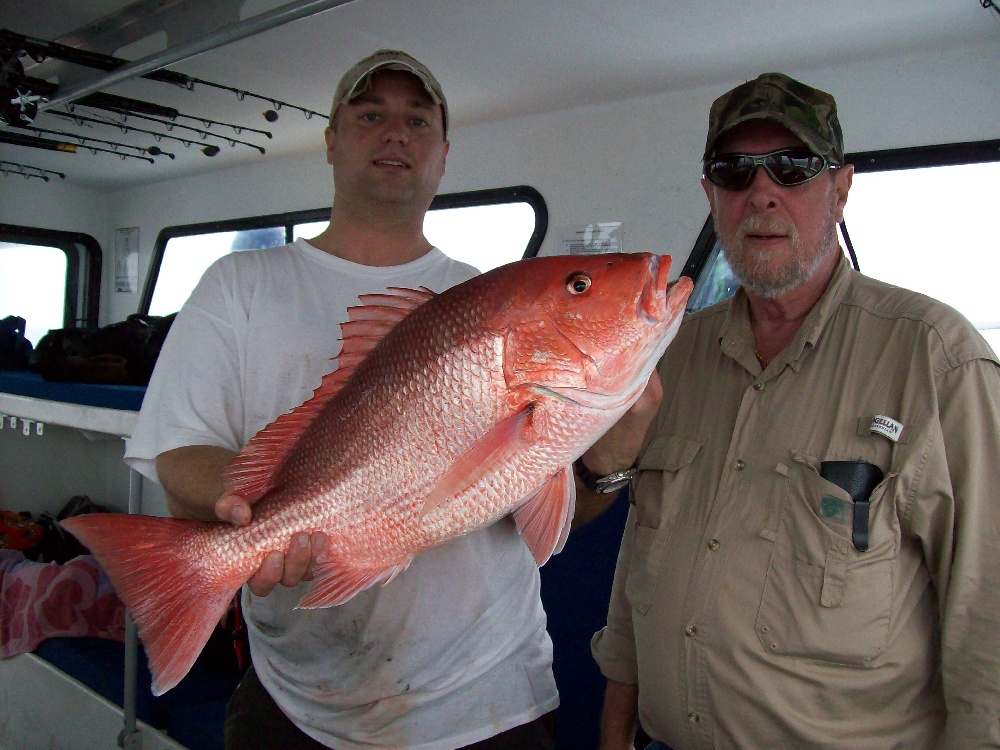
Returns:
(254,722)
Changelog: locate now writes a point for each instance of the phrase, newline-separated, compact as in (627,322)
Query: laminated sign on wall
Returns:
(127,259)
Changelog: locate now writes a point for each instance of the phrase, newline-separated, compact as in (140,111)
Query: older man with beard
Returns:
(811,558)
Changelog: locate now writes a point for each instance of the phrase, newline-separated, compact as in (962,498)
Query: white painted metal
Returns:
(43,709)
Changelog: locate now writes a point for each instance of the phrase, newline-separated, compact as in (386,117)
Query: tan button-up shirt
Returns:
(742,606)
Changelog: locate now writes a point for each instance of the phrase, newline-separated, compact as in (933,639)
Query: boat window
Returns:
(49,278)
(484,228)
(918,218)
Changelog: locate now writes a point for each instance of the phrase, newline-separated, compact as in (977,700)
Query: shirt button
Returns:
(714,545)
(693,717)
(690,631)
(739,464)
(758,386)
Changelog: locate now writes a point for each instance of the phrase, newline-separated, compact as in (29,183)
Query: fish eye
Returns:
(578,283)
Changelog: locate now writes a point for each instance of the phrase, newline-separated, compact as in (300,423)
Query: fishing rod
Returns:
(26,175)
(125,104)
(40,49)
(31,141)
(153,150)
(236,128)
(209,150)
(169,125)
(271,114)
(12,167)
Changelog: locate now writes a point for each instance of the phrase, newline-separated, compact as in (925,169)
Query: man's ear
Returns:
(444,156)
(843,179)
(709,193)
(329,135)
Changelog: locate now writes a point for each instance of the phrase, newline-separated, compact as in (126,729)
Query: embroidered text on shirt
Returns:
(887,427)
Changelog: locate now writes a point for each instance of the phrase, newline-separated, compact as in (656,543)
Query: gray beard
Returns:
(753,269)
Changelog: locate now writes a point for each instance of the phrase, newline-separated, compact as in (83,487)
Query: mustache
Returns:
(761,223)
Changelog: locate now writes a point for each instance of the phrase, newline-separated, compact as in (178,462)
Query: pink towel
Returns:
(48,600)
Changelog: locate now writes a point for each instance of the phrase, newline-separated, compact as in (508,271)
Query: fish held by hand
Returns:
(445,413)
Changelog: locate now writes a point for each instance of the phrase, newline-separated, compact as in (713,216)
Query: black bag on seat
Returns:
(121,353)
(15,349)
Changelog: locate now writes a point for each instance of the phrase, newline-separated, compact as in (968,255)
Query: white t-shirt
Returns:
(454,650)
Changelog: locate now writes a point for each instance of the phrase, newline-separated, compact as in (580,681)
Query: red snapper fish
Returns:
(446,413)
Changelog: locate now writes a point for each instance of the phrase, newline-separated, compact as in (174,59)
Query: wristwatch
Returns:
(603,485)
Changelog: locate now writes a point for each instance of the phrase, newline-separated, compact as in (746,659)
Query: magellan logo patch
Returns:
(887,427)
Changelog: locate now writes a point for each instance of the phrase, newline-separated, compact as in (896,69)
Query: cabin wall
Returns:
(634,161)
(55,205)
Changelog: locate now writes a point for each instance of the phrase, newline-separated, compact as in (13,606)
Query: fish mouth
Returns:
(652,303)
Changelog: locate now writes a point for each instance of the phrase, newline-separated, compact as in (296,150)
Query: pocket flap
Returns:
(669,453)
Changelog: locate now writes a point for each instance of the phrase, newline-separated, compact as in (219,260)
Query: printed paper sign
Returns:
(127,259)
(590,239)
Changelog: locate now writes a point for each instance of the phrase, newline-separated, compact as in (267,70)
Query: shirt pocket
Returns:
(661,471)
(823,599)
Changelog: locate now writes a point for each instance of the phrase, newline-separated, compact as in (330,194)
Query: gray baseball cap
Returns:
(358,79)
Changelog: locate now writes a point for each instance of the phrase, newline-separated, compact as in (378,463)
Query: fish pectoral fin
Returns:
(544,519)
(335,582)
(482,458)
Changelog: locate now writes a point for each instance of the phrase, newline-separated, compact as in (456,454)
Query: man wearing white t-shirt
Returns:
(453,653)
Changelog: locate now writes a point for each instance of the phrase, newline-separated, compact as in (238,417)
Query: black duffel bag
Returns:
(120,353)
(15,349)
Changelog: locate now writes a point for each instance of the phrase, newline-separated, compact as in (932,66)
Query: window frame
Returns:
(487,197)
(84,264)
(884,160)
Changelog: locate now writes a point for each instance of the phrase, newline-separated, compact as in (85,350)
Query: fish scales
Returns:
(472,406)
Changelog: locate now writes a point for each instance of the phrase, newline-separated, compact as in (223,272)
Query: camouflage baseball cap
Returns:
(358,79)
(809,113)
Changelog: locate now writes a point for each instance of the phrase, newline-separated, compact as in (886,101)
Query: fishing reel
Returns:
(18,104)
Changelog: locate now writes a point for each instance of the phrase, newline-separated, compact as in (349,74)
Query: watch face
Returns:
(615,481)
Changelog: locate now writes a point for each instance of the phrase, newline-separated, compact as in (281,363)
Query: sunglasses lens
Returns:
(793,167)
(730,171)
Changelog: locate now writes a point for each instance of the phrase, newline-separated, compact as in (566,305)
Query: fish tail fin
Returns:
(175,598)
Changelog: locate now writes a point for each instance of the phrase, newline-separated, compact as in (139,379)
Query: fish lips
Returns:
(659,300)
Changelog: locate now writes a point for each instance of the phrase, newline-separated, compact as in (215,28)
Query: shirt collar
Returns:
(736,339)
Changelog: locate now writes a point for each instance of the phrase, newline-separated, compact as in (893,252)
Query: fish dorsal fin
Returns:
(252,473)
(493,449)
(369,322)
(544,519)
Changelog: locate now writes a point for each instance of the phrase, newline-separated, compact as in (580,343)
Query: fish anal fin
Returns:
(544,519)
(481,459)
(334,582)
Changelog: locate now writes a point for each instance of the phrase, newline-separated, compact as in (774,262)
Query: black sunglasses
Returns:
(787,167)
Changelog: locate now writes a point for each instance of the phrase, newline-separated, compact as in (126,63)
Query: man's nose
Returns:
(763,189)
(396,130)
